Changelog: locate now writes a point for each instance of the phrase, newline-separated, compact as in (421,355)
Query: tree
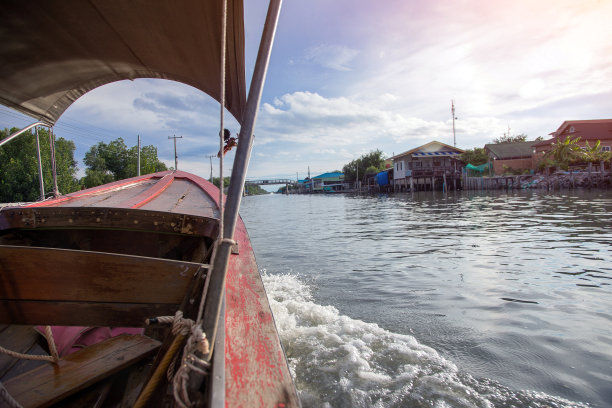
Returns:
(19,166)
(475,156)
(506,138)
(595,154)
(226,181)
(564,152)
(114,161)
(360,165)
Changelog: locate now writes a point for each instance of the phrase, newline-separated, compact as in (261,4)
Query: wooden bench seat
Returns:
(49,286)
(50,383)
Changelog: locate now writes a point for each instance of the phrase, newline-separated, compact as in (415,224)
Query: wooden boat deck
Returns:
(169,218)
(175,192)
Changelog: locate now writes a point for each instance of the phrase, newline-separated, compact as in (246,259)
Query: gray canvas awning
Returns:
(52,52)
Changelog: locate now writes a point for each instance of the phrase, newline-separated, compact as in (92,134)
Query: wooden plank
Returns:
(149,194)
(81,313)
(33,273)
(16,338)
(108,218)
(49,384)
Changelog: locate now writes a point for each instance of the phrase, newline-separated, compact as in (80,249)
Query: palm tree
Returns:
(565,152)
(595,154)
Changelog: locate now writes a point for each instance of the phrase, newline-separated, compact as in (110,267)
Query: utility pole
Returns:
(175,155)
(138,164)
(453,113)
(211,157)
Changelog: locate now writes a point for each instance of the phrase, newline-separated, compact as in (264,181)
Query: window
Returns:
(605,148)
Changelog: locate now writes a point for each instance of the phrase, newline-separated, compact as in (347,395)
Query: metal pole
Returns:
(40,171)
(241,164)
(453,113)
(53,163)
(19,132)
(138,163)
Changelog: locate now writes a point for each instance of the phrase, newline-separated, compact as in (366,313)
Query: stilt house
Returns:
(433,166)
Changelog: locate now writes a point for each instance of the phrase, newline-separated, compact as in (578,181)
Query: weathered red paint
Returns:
(256,370)
(148,195)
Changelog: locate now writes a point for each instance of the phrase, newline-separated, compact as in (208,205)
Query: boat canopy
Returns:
(53,52)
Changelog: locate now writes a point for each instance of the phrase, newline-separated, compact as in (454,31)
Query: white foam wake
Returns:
(337,361)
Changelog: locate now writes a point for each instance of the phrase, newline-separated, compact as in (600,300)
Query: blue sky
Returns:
(350,76)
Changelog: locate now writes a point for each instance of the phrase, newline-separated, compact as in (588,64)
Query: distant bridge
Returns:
(269,181)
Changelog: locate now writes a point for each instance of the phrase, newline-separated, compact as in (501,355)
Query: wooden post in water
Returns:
(444,184)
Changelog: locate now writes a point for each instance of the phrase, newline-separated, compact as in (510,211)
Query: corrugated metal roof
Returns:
(329,175)
(441,147)
(514,150)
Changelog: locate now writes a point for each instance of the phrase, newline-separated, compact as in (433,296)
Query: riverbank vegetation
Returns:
(19,166)
(368,163)
(105,162)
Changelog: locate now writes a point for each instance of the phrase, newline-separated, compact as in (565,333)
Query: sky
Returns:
(350,76)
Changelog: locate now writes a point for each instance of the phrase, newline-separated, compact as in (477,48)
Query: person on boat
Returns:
(229,142)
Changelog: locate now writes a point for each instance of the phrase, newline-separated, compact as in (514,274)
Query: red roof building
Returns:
(588,130)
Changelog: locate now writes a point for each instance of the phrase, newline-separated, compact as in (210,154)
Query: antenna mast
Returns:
(453,113)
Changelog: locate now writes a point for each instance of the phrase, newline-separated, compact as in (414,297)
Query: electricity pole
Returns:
(211,157)
(138,164)
(175,155)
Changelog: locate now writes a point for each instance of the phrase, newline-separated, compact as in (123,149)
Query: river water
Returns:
(432,300)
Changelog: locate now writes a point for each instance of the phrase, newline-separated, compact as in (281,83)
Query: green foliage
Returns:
(506,138)
(362,164)
(226,181)
(565,152)
(253,189)
(115,161)
(476,156)
(595,154)
(19,166)
(371,170)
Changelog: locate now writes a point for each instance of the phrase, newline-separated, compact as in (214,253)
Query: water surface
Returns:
(435,300)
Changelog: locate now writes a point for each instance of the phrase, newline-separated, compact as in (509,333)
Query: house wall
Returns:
(516,164)
(399,168)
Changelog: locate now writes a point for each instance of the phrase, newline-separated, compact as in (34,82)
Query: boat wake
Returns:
(338,361)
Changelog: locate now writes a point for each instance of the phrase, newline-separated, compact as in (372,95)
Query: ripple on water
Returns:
(342,362)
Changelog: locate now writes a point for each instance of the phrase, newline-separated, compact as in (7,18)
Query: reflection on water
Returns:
(403,297)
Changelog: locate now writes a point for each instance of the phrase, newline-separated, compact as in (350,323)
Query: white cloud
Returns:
(334,57)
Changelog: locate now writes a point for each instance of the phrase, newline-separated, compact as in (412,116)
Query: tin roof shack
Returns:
(434,165)
(326,183)
(511,157)
(588,130)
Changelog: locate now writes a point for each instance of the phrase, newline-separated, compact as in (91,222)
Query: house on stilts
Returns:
(433,166)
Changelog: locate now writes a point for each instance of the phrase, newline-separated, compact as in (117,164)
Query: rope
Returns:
(53,358)
(51,343)
(7,398)
(197,341)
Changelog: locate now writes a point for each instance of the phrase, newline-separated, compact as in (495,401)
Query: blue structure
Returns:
(382,178)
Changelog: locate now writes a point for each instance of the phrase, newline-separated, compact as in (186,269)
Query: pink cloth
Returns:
(69,339)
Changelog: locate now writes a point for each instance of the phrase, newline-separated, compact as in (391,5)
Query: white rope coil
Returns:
(53,358)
